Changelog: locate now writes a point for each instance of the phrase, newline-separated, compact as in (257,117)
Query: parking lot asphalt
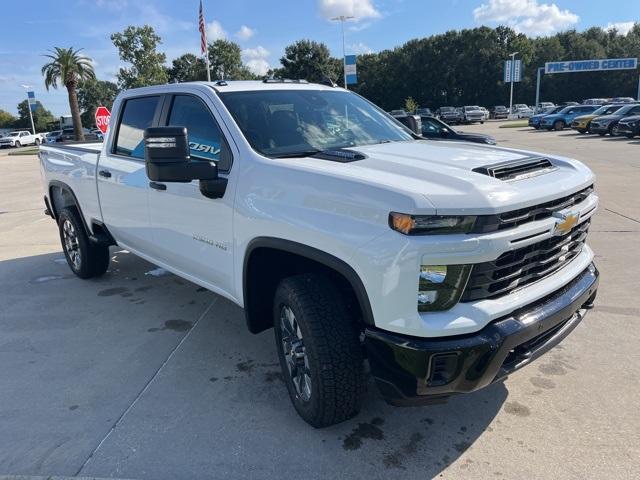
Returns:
(143,375)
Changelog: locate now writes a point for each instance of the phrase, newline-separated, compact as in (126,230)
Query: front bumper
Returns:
(596,128)
(417,371)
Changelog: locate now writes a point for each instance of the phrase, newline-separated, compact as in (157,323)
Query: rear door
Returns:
(122,180)
(193,233)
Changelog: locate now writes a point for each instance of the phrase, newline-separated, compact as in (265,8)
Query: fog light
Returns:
(440,286)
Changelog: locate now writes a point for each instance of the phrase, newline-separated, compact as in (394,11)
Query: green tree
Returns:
(6,119)
(308,60)
(92,94)
(138,46)
(68,68)
(41,117)
(410,105)
(226,61)
(187,68)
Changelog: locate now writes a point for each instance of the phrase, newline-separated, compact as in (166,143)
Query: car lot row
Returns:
(23,138)
(615,119)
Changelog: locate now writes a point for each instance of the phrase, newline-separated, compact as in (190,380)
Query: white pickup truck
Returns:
(20,138)
(446,265)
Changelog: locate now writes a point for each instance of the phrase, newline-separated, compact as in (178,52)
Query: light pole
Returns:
(33,128)
(513,67)
(342,19)
(540,72)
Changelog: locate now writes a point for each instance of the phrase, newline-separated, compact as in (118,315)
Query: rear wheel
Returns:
(86,259)
(558,125)
(319,350)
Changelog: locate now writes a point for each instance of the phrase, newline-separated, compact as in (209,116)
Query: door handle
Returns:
(157,186)
(105,173)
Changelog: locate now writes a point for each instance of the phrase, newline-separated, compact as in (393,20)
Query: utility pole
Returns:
(342,19)
(33,128)
(540,71)
(512,71)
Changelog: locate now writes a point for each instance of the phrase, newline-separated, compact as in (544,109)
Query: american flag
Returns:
(203,31)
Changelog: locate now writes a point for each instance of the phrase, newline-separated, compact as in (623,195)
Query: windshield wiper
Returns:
(301,153)
(341,154)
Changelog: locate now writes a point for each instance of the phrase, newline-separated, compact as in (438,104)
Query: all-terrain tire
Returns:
(86,259)
(331,344)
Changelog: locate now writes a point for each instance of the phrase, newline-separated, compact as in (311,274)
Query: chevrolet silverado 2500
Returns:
(446,265)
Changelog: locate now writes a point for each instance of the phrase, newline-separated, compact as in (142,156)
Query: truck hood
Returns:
(441,172)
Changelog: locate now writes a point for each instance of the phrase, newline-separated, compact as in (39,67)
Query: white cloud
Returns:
(256,59)
(245,33)
(359,48)
(526,16)
(215,31)
(160,21)
(359,9)
(622,27)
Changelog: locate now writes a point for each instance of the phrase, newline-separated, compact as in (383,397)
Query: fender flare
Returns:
(316,255)
(69,190)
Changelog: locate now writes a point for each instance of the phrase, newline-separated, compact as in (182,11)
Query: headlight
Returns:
(430,224)
(440,286)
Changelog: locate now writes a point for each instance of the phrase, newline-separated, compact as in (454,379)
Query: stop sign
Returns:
(103,115)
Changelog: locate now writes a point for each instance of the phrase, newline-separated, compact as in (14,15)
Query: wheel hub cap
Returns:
(295,354)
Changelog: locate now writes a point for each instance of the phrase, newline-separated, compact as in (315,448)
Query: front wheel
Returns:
(319,350)
(558,125)
(37,142)
(17,144)
(85,259)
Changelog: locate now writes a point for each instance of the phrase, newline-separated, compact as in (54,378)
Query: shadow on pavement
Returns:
(77,355)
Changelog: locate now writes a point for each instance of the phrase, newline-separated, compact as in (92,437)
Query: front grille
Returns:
(523,266)
(514,218)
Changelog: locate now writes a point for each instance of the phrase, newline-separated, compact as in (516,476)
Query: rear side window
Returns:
(137,114)
(206,142)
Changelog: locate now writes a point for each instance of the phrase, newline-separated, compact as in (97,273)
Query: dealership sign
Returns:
(591,65)
(512,71)
(350,70)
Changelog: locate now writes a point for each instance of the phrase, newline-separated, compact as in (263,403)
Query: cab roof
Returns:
(222,86)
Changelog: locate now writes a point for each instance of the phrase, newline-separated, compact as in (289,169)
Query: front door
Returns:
(193,233)
(122,180)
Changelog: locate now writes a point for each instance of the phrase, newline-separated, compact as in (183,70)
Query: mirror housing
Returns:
(167,157)
(413,122)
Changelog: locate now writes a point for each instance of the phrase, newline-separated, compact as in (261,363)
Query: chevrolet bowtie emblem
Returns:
(565,222)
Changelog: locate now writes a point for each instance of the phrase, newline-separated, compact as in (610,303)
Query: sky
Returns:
(262,28)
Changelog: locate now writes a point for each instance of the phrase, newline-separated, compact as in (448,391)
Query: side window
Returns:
(635,111)
(24,134)
(205,138)
(137,114)
(430,127)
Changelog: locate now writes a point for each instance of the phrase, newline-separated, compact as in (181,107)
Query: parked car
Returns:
(472,114)
(450,265)
(559,120)
(53,137)
(569,104)
(607,123)
(485,113)
(582,123)
(520,110)
(543,106)
(20,138)
(595,101)
(68,135)
(534,121)
(449,115)
(398,113)
(629,126)
(424,111)
(434,128)
(498,112)
(623,100)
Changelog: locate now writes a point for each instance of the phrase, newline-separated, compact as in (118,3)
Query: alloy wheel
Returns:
(71,245)
(295,353)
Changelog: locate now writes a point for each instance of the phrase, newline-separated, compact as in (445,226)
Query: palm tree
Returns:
(67,67)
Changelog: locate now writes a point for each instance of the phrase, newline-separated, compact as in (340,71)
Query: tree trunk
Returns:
(75,113)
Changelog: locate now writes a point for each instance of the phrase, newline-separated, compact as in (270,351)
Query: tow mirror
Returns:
(413,122)
(167,159)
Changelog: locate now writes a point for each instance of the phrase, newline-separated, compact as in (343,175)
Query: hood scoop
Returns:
(518,170)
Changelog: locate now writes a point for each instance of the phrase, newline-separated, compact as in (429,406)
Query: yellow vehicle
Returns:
(583,123)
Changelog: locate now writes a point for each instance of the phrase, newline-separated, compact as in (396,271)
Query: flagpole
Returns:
(204,46)
(206,61)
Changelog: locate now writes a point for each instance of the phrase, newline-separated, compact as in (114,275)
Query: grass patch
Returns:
(515,124)
(25,151)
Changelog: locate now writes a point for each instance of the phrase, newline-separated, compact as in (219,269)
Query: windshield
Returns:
(287,122)
(624,109)
(13,134)
(472,108)
(607,109)
(447,109)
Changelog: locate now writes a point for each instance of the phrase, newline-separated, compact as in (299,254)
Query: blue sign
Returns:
(512,71)
(591,65)
(350,71)
(32,101)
